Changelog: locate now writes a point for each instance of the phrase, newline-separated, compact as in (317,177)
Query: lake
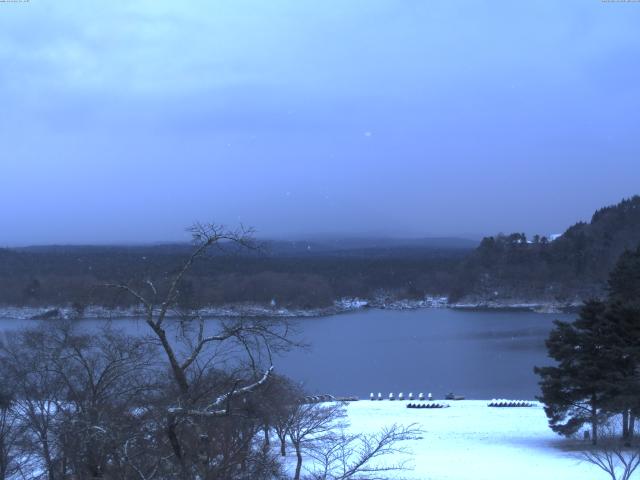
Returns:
(478,354)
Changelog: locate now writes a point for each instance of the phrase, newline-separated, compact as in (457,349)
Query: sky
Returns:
(128,121)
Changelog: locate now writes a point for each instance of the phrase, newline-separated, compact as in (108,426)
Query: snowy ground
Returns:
(472,441)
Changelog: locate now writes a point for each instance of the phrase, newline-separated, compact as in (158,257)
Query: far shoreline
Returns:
(96,312)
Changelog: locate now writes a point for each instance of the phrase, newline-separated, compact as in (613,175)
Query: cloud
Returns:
(229,104)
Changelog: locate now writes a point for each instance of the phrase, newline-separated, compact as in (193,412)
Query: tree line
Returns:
(509,267)
(573,266)
(75,275)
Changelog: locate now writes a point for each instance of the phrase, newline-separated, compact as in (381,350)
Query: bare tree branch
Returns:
(213,410)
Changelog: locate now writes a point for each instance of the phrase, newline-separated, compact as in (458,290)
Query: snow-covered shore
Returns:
(229,311)
(258,310)
(472,441)
(531,306)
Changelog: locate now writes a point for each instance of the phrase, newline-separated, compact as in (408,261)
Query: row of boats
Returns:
(510,403)
(449,396)
(427,405)
(392,396)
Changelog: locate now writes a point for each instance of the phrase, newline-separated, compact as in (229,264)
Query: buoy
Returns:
(410,396)
(421,396)
(401,396)
(379,396)
(372,396)
(391,397)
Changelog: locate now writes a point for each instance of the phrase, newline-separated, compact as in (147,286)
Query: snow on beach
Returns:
(273,310)
(470,440)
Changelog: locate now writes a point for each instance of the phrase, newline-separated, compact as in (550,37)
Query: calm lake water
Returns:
(480,355)
(476,354)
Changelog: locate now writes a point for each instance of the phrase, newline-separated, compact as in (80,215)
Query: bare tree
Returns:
(318,431)
(254,340)
(107,378)
(38,397)
(78,397)
(358,456)
(10,435)
(277,407)
(311,425)
(618,458)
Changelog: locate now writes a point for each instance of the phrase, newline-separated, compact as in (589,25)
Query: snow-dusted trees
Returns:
(95,405)
(276,406)
(76,399)
(10,433)
(108,381)
(194,405)
(319,433)
(312,425)
(37,390)
(350,456)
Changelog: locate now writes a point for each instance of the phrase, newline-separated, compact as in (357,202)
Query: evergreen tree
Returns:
(577,388)
(624,279)
(623,339)
(598,358)
(621,345)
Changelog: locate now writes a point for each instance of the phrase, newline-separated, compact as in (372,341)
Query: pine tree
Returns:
(624,279)
(623,339)
(597,374)
(621,345)
(577,388)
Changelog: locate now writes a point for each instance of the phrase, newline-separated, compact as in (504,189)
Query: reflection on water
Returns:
(477,354)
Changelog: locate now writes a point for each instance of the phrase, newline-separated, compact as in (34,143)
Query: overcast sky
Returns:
(128,120)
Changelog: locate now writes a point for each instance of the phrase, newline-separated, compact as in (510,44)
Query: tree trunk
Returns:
(625,424)
(267,440)
(283,444)
(632,425)
(47,458)
(178,373)
(3,466)
(594,421)
(299,463)
(173,440)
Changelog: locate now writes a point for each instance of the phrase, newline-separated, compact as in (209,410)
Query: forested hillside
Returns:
(502,270)
(574,266)
(292,275)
